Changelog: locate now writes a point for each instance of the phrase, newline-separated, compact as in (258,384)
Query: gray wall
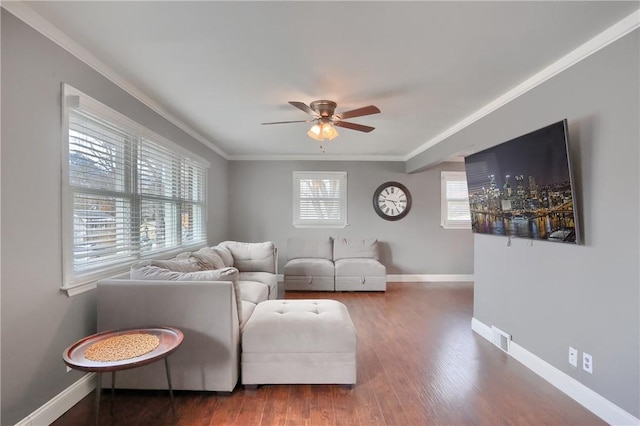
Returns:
(38,320)
(260,203)
(550,295)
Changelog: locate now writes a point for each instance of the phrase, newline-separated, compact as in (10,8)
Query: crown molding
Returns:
(608,36)
(53,33)
(316,157)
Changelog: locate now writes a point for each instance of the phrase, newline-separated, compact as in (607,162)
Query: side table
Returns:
(74,356)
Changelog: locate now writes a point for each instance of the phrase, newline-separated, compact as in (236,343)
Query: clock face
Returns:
(392,201)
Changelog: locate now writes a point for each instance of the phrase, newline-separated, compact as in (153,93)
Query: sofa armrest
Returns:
(205,311)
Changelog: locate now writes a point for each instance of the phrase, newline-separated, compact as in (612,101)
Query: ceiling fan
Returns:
(324,117)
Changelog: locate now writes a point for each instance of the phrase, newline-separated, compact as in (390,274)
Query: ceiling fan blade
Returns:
(353,126)
(285,122)
(304,107)
(368,110)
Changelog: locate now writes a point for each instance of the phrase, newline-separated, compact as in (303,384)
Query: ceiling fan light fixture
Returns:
(328,131)
(315,132)
(322,131)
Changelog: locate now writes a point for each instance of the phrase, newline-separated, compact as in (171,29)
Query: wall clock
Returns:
(392,201)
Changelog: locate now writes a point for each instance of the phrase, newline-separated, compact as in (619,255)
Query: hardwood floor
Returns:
(419,363)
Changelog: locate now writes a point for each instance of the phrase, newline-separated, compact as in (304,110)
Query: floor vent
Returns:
(501,339)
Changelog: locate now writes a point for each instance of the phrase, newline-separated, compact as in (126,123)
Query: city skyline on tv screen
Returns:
(523,187)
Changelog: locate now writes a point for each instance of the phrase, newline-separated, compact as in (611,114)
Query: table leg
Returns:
(166,365)
(113,392)
(98,391)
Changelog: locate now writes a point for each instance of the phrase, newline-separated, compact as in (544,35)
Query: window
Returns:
(127,192)
(320,199)
(455,201)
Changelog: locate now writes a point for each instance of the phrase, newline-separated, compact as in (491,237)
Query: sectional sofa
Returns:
(209,294)
(334,264)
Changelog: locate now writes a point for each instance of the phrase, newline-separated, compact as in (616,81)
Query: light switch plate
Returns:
(573,356)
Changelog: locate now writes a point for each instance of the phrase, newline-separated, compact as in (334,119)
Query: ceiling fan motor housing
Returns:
(323,107)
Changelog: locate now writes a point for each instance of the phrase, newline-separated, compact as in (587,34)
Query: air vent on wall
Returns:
(501,339)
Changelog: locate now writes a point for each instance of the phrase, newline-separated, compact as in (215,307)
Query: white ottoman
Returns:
(299,342)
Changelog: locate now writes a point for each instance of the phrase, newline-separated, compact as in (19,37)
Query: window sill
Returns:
(456,226)
(89,281)
(79,289)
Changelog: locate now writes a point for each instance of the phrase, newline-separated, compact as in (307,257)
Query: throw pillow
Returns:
(146,271)
(183,255)
(175,265)
(225,254)
(181,265)
(208,258)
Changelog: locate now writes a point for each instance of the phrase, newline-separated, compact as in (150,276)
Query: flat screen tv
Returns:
(524,187)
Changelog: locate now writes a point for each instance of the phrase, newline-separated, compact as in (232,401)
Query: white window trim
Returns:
(72,98)
(297,222)
(444,222)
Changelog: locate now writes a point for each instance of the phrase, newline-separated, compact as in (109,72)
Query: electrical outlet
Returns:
(573,356)
(587,363)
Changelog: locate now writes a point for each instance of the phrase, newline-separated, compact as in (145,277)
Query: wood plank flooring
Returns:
(419,363)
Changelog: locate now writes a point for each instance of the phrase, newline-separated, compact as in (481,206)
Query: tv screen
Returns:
(524,188)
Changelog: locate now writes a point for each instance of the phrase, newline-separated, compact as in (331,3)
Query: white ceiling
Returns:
(222,68)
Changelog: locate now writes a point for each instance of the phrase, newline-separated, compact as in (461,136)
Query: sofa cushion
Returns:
(208,258)
(347,249)
(245,312)
(359,268)
(309,266)
(253,291)
(310,248)
(266,278)
(252,257)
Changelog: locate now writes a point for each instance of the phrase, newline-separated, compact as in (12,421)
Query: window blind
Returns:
(455,201)
(320,198)
(128,193)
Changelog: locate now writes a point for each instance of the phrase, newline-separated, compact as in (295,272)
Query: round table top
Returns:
(74,356)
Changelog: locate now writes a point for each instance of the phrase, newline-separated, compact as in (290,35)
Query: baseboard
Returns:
(61,403)
(592,401)
(482,329)
(423,278)
(429,278)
